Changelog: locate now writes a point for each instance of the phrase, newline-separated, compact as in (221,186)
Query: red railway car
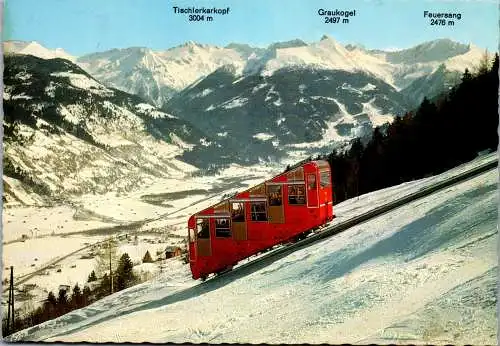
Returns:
(279,210)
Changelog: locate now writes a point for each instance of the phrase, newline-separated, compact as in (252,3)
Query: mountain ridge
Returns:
(157,75)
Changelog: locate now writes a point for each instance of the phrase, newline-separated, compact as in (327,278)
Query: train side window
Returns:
(203,230)
(192,235)
(238,211)
(222,228)
(324,179)
(296,194)
(311,181)
(274,195)
(258,211)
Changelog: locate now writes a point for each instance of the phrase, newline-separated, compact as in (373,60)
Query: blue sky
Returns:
(85,26)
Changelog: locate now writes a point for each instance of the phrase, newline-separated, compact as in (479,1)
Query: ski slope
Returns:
(423,273)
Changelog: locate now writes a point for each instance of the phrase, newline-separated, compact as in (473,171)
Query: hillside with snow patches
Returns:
(156,76)
(292,110)
(67,134)
(424,273)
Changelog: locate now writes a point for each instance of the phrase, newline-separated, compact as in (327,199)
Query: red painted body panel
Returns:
(309,184)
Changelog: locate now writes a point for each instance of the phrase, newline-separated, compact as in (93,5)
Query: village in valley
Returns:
(42,276)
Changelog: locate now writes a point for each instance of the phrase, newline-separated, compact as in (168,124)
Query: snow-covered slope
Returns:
(158,75)
(424,273)
(397,68)
(409,64)
(462,61)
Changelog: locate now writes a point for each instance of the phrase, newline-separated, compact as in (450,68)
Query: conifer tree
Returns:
(494,65)
(51,298)
(62,297)
(124,272)
(62,302)
(484,64)
(50,306)
(76,297)
(147,258)
(467,76)
(92,277)
(104,287)
(86,295)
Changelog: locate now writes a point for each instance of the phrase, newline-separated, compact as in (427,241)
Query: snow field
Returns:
(22,255)
(39,221)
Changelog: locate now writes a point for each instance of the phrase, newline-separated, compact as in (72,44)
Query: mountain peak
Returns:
(192,44)
(435,50)
(36,49)
(328,38)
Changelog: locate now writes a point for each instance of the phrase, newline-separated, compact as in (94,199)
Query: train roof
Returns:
(320,164)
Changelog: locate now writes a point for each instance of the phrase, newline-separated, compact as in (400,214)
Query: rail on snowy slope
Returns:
(330,230)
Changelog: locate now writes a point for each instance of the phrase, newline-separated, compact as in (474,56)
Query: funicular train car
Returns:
(279,210)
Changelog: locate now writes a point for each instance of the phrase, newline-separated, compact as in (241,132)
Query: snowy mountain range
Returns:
(157,75)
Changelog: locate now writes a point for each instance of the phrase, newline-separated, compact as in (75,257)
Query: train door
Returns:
(312,191)
(238,224)
(326,193)
(275,203)
(203,243)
